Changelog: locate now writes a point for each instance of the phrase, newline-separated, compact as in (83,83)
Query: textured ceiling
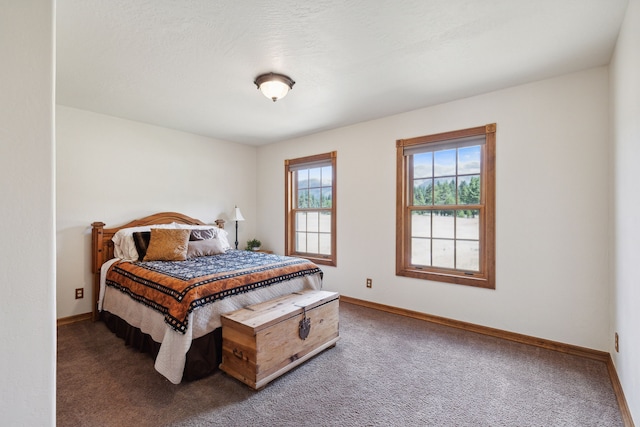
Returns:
(190,64)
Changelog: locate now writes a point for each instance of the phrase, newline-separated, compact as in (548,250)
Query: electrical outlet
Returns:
(369,283)
(79,293)
(617,347)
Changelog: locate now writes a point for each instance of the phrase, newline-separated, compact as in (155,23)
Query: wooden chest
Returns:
(263,341)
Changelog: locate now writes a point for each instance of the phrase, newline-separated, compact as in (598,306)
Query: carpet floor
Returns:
(385,370)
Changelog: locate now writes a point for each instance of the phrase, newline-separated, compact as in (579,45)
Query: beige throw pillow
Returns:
(167,245)
(204,248)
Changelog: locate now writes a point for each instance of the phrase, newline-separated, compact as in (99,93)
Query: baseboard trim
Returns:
(74,319)
(484,330)
(617,388)
(512,336)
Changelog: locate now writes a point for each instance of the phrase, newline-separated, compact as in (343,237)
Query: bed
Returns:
(161,283)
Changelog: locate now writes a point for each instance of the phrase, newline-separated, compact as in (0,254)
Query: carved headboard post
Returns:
(97,259)
(220,223)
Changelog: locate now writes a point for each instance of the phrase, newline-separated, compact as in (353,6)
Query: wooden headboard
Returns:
(102,245)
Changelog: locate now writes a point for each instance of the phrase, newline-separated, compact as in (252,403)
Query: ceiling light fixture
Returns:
(274,86)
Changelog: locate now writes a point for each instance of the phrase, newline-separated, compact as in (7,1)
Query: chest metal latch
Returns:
(305,325)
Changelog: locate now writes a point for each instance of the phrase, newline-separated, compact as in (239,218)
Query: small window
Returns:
(446,207)
(310,191)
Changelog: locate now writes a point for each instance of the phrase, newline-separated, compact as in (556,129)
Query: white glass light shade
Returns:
(274,90)
(237,215)
(274,86)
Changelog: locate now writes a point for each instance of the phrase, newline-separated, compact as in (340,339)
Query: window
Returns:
(446,207)
(310,195)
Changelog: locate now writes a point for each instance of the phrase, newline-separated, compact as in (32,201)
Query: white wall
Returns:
(27,248)
(114,170)
(625,126)
(552,172)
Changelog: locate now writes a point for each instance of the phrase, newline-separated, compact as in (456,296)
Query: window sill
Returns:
(478,281)
(316,260)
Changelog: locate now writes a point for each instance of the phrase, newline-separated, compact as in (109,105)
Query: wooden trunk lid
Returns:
(258,317)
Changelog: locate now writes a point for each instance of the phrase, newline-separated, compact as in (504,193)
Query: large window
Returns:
(310,197)
(446,207)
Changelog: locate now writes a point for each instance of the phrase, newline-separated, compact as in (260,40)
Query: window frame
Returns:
(485,278)
(291,166)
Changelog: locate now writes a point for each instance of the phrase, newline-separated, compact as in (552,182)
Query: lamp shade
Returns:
(237,215)
(274,86)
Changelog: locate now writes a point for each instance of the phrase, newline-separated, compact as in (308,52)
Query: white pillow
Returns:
(220,233)
(123,245)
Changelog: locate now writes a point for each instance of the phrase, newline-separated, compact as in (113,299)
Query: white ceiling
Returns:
(190,64)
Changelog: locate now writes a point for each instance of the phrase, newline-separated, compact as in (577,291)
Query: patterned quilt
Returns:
(176,288)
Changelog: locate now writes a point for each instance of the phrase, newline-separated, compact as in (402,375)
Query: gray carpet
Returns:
(385,370)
